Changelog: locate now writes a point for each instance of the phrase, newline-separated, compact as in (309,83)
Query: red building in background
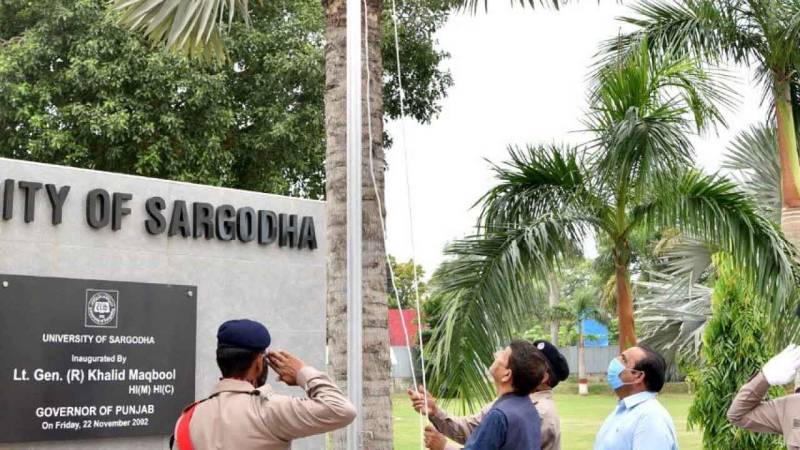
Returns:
(396,336)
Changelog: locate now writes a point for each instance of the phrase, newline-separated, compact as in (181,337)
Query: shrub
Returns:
(734,348)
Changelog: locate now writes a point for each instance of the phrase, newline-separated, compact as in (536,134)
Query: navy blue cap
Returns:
(556,361)
(243,333)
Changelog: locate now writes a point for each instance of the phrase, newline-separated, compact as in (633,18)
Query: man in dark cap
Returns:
(244,413)
(459,428)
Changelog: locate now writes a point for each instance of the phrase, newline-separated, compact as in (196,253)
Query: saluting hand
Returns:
(418,400)
(781,368)
(286,365)
(433,439)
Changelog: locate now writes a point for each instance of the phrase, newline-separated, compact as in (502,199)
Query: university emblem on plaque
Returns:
(102,307)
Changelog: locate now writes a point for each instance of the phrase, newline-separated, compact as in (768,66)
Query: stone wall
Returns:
(282,287)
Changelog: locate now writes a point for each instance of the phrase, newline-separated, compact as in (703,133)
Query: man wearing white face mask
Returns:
(639,422)
(779,416)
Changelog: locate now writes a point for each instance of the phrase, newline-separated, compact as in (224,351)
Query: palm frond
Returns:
(490,292)
(714,209)
(537,181)
(672,313)
(643,111)
(704,29)
(191,27)
(753,158)
(684,257)
(758,34)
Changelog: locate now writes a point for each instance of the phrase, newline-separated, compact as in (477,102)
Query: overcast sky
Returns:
(520,77)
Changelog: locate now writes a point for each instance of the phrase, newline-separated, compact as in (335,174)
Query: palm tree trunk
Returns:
(790,166)
(583,381)
(790,170)
(627,330)
(553,295)
(377,408)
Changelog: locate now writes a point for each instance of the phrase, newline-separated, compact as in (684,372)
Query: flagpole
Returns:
(354,221)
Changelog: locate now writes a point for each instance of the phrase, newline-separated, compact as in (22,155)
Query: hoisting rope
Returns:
(410,217)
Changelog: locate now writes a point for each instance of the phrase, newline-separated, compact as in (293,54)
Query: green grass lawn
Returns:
(581,417)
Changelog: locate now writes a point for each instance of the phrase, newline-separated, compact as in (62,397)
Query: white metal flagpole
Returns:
(354,220)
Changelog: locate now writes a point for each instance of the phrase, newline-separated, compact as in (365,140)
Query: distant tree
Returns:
(404,282)
(432,311)
(78,90)
(582,305)
(578,284)
(581,299)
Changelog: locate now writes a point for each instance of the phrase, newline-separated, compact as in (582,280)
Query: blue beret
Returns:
(243,333)
(555,360)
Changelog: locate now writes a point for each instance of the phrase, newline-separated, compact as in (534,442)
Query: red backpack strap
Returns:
(182,436)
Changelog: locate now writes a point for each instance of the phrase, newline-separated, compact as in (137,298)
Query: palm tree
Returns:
(581,305)
(760,32)
(635,173)
(553,296)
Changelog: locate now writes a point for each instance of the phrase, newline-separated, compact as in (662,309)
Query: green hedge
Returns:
(734,348)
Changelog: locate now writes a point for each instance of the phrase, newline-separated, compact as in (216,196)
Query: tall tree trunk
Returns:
(583,380)
(790,166)
(627,330)
(553,294)
(790,170)
(377,408)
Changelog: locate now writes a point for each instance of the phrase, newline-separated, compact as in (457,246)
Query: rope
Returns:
(380,209)
(410,212)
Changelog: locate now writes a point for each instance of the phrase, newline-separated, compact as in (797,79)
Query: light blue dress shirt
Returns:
(638,423)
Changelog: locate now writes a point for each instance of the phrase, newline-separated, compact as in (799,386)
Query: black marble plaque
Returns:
(88,358)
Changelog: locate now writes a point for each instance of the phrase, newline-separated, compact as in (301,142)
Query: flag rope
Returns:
(392,276)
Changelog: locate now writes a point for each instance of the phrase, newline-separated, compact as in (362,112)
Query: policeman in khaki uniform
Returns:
(459,428)
(244,413)
(779,416)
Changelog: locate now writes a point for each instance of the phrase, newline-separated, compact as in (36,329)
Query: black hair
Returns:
(235,361)
(527,365)
(654,368)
